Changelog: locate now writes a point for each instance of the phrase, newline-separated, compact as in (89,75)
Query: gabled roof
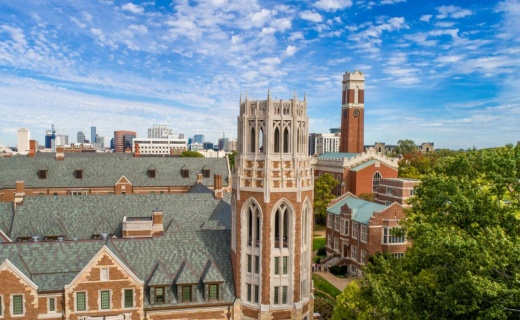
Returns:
(212,274)
(362,210)
(160,276)
(186,275)
(200,188)
(363,165)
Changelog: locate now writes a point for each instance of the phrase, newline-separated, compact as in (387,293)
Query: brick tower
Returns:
(272,203)
(353,113)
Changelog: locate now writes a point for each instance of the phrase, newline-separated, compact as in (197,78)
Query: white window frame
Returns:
(49,305)
(11,307)
(330,220)
(104,274)
(110,307)
(355,230)
(124,297)
(354,253)
(329,241)
(390,190)
(336,243)
(388,238)
(398,255)
(345,224)
(76,301)
(336,223)
(363,257)
(364,233)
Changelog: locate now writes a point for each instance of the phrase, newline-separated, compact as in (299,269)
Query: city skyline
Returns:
(444,72)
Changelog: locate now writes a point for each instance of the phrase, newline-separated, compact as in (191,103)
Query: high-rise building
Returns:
(93,135)
(326,142)
(353,113)
(199,138)
(159,132)
(23,140)
(207,145)
(223,143)
(62,139)
(81,137)
(272,218)
(123,140)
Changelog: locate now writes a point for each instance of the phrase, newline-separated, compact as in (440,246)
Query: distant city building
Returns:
(159,132)
(384,148)
(312,143)
(223,143)
(326,142)
(207,145)
(50,135)
(195,146)
(335,130)
(199,138)
(123,139)
(23,140)
(100,143)
(81,137)
(63,139)
(93,135)
(156,146)
(209,153)
(232,145)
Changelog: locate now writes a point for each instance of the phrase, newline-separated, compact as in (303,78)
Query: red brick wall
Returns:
(11,283)
(361,181)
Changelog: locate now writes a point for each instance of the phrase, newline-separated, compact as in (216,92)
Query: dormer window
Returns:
(42,174)
(151,173)
(213,291)
(78,174)
(185,173)
(186,293)
(205,173)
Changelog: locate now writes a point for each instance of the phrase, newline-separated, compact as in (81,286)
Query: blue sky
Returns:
(439,71)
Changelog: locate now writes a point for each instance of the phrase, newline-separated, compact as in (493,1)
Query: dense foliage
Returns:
(323,194)
(465,259)
(191,154)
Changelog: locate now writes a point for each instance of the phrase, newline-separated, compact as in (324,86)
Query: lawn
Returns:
(324,286)
(317,243)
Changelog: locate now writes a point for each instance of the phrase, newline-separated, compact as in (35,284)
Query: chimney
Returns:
(199,177)
(32,148)
(60,155)
(20,186)
(217,189)
(19,193)
(137,153)
(157,222)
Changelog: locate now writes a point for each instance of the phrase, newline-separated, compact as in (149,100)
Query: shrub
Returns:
(322,251)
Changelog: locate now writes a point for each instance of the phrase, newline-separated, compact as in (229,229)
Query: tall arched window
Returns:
(375,181)
(252,146)
(286,140)
(253,226)
(281,227)
(261,140)
(276,140)
(298,142)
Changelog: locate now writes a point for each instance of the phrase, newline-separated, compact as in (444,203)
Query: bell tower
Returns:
(353,113)
(272,201)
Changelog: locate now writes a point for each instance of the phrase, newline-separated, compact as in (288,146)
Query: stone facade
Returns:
(272,211)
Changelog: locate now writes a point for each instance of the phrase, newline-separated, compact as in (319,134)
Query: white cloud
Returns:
(296,36)
(130,7)
(426,17)
(452,12)
(450,32)
(449,59)
(142,29)
(333,5)
(391,1)
(290,50)
(311,16)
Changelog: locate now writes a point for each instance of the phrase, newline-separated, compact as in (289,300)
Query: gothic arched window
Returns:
(375,181)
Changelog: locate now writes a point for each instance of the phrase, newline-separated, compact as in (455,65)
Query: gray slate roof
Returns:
(362,210)
(105,171)
(83,216)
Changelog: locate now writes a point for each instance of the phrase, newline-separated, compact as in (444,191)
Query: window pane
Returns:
(249,263)
(159,294)
(186,293)
(248,292)
(52,306)
(276,295)
(105,299)
(276,265)
(129,298)
(257,264)
(18,304)
(284,267)
(213,291)
(256,294)
(284,294)
(80,301)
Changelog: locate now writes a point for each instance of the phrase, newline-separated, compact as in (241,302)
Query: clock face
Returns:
(356,113)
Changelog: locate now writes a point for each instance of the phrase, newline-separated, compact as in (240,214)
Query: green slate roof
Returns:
(337,155)
(105,171)
(212,274)
(84,216)
(363,165)
(186,275)
(160,276)
(362,210)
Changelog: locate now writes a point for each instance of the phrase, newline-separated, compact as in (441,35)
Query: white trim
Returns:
(96,257)
(75,295)
(110,307)
(119,181)
(5,237)
(9,265)
(49,305)
(123,298)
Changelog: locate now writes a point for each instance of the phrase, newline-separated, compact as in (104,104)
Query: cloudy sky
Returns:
(440,71)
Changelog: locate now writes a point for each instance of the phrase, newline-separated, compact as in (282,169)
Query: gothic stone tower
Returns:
(353,113)
(272,203)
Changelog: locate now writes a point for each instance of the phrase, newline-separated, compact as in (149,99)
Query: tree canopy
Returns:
(464,262)
(191,154)
(323,194)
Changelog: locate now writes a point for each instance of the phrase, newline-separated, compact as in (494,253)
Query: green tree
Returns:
(231,157)
(405,146)
(323,194)
(191,154)
(464,262)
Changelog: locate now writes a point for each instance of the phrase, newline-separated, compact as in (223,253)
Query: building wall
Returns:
(12,284)
(361,181)
(396,190)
